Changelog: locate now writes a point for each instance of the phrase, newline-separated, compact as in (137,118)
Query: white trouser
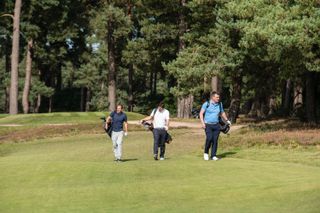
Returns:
(117,143)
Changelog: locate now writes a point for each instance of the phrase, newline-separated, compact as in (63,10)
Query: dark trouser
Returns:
(159,136)
(212,136)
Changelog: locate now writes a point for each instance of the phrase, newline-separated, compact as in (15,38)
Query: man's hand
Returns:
(203,125)
(126,134)
(229,122)
(166,128)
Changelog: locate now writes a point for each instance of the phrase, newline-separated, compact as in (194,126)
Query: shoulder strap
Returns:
(208,104)
(220,107)
(154,111)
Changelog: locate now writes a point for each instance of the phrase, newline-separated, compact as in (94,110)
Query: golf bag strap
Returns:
(154,111)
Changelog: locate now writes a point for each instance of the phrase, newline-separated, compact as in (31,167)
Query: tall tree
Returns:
(27,82)
(184,103)
(15,59)
(113,25)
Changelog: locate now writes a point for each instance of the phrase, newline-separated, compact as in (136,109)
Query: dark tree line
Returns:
(84,55)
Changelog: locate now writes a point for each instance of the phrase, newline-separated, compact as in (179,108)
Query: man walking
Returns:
(209,116)
(119,122)
(160,117)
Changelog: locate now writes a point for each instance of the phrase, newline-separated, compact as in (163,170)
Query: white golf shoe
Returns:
(215,158)
(205,156)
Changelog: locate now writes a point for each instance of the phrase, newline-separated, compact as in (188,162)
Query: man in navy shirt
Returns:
(209,116)
(119,128)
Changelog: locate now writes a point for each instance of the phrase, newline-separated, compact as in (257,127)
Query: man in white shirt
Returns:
(160,117)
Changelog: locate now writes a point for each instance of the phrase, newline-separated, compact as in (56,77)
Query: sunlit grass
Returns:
(77,174)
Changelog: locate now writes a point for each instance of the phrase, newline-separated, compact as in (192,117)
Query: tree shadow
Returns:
(129,159)
(226,154)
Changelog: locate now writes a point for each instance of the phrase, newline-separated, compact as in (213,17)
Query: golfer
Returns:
(119,122)
(160,118)
(209,116)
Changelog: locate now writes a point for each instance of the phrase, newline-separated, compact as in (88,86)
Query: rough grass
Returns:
(29,133)
(61,118)
(250,137)
(77,174)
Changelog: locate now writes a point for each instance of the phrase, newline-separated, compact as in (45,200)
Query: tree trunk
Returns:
(50,105)
(7,88)
(130,70)
(112,68)
(130,88)
(311,97)
(184,104)
(27,83)
(272,105)
(15,59)
(7,99)
(235,98)
(38,103)
(255,107)
(88,98)
(298,99)
(216,84)
(287,97)
(262,113)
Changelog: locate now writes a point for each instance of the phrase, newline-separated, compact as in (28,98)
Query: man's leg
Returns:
(119,145)
(162,143)
(114,137)
(216,133)
(209,139)
(156,137)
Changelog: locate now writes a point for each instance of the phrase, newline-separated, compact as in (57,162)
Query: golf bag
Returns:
(108,130)
(149,126)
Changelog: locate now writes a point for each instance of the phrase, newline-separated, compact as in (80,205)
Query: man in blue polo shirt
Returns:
(209,116)
(119,122)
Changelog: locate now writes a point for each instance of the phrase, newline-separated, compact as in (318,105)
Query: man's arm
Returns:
(147,118)
(224,116)
(125,126)
(201,118)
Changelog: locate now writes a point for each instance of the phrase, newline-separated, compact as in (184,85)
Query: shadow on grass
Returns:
(226,154)
(130,159)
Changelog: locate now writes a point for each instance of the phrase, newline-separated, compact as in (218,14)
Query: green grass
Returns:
(3,115)
(77,174)
(58,118)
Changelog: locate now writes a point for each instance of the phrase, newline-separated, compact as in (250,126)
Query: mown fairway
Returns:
(76,173)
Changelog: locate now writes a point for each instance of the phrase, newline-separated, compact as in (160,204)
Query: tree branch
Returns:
(10,15)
